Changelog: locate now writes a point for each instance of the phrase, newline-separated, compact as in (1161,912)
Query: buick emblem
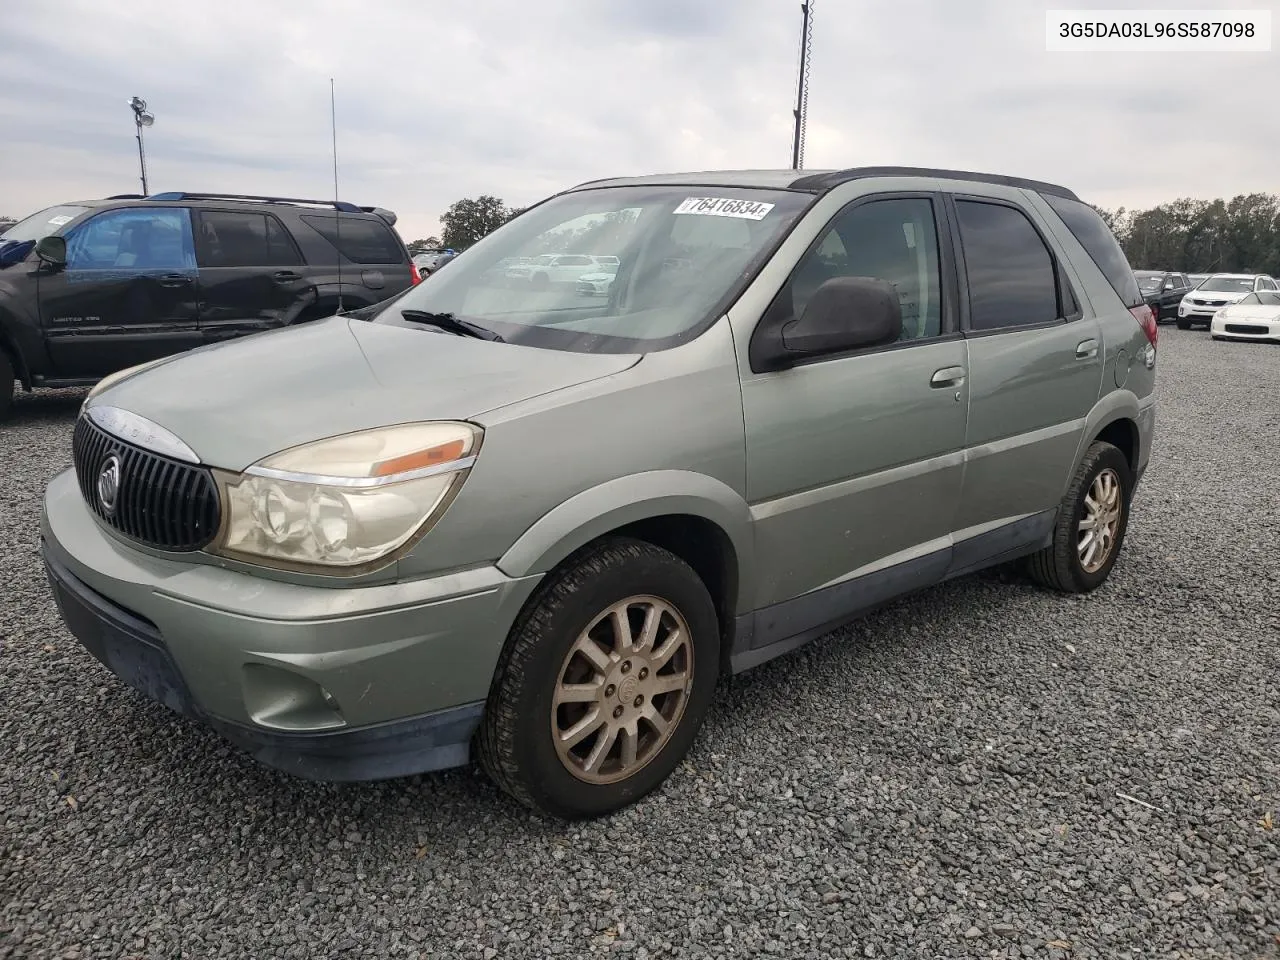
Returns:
(109,484)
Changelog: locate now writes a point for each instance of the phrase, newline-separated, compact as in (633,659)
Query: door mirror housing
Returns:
(52,250)
(845,313)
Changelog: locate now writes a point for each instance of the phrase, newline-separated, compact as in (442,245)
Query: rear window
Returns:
(360,241)
(1096,238)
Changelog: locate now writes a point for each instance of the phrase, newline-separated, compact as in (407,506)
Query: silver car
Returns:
(536,528)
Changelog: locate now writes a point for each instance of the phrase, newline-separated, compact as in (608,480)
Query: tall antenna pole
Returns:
(337,214)
(802,88)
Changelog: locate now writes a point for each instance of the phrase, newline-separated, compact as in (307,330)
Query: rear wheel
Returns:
(1092,521)
(6,385)
(604,682)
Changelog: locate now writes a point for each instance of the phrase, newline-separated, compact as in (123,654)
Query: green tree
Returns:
(422,246)
(470,220)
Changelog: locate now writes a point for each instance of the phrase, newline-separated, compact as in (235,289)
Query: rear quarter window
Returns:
(1098,241)
(360,241)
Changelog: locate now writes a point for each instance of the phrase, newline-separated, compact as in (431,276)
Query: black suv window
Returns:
(894,240)
(1095,236)
(360,241)
(155,238)
(230,239)
(1011,273)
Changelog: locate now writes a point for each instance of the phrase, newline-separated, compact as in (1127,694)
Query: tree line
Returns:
(1240,235)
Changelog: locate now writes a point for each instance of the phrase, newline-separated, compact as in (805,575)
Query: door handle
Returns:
(285,276)
(947,377)
(1087,349)
(174,280)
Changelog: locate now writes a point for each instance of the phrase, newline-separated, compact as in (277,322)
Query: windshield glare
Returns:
(1228,284)
(1150,283)
(672,261)
(42,224)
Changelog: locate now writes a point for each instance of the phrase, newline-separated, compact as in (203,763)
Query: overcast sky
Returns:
(438,101)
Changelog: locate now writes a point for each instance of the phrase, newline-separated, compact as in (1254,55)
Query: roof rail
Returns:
(170,197)
(821,182)
(126,196)
(385,214)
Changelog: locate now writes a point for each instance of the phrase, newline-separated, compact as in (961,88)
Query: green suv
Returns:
(535,528)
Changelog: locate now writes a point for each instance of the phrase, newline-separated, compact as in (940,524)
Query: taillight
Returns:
(1146,318)
(414,275)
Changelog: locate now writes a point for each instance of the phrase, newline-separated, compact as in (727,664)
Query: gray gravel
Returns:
(939,780)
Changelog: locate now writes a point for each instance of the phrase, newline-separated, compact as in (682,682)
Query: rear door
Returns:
(1035,367)
(127,294)
(251,274)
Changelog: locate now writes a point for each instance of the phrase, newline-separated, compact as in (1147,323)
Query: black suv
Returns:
(1163,291)
(90,288)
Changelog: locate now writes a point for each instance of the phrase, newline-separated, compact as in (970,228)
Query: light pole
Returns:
(141,119)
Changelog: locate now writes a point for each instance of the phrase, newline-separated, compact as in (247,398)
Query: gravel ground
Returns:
(942,779)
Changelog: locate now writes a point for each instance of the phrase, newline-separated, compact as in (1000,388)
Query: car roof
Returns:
(817,181)
(209,200)
(1236,276)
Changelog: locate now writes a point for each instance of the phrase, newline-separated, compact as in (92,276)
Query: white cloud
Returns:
(438,101)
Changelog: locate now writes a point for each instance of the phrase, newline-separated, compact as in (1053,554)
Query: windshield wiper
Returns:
(447,321)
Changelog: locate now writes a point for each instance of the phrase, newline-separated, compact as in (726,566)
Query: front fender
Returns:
(617,503)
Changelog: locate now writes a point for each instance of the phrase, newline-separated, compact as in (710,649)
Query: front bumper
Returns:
(1244,329)
(342,683)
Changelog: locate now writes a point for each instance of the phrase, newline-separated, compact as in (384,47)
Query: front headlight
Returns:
(339,504)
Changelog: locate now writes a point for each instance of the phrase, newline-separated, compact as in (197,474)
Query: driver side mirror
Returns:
(845,313)
(52,250)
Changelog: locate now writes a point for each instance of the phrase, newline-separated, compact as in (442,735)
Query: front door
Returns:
(1035,368)
(127,294)
(854,462)
(252,276)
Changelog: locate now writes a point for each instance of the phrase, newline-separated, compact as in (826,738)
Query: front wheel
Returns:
(6,385)
(1184,323)
(1092,521)
(604,681)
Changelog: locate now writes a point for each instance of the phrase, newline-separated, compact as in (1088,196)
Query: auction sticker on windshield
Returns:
(725,207)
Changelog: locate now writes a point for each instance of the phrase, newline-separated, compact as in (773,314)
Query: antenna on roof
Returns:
(802,88)
(337,213)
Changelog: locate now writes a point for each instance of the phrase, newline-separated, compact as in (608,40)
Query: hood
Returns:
(241,400)
(1231,296)
(1252,311)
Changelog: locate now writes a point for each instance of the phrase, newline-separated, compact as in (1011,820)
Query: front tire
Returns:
(1092,521)
(1184,324)
(6,385)
(604,681)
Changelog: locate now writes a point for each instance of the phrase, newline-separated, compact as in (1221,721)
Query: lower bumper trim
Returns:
(133,649)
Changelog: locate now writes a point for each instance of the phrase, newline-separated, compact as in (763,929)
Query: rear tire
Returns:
(567,668)
(6,385)
(1097,501)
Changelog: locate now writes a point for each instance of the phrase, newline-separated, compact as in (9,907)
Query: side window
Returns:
(893,240)
(361,241)
(1011,274)
(227,239)
(1092,232)
(148,239)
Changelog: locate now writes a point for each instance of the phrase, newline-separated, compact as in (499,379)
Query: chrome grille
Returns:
(158,501)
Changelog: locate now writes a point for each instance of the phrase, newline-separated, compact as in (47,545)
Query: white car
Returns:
(1220,290)
(1256,317)
(595,284)
(553,268)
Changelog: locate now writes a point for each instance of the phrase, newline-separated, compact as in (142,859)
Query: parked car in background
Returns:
(1163,290)
(1198,278)
(597,284)
(539,528)
(90,288)
(429,261)
(1221,289)
(553,268)
(1254,317)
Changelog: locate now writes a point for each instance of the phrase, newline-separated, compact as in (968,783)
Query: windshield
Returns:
(42,224)
(1150,284)
(1228,284)
(681,253)
(1264,298)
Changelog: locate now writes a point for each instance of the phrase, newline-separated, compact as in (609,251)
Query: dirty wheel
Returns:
(604,681)
(1091,524)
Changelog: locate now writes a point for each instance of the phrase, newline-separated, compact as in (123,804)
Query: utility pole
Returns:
(141,119)
(802,88)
